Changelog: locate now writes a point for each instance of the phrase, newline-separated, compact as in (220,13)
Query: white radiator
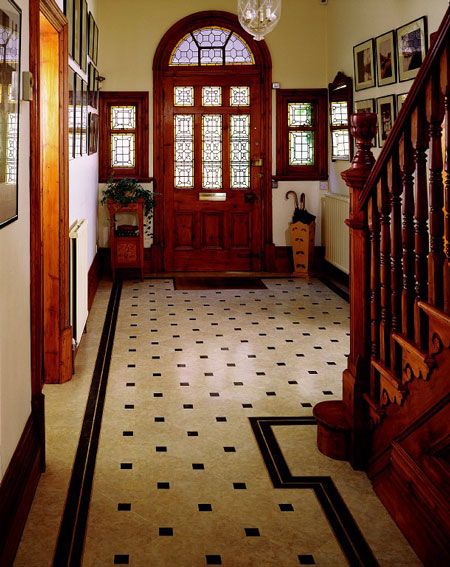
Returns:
(78,278)
(335,236)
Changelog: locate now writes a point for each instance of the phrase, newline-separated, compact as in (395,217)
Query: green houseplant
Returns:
(128,190)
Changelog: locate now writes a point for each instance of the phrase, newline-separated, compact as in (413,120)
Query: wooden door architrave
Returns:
(162,72)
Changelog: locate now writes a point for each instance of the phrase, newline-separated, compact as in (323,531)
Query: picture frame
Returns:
(68,11)
(84,118)
(77,31)
(71,111)
(385,117)
(364,65)
(386,60)
(78,115)
(91,24)
(93,133)
(84,35)
(95,46)
(412,45)
(10,43)
(366,105)
(401,100)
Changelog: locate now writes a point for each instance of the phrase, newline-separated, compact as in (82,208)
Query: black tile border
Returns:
(69,547)
(347,533)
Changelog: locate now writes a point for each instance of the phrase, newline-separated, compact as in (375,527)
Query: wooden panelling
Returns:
(17,489)
(241,228)
(184,231)
(212,230)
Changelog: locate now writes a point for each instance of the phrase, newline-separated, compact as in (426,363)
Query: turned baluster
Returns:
(374,236)
(435,115)
(445,72)
(407,169)
(385,289)
(419,134)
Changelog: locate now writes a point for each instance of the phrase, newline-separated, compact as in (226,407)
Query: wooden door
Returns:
(213,162)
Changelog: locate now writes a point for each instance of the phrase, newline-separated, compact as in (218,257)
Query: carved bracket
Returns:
(391,390)
(415,364)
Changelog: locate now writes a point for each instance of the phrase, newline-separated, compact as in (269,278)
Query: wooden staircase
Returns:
(394,418)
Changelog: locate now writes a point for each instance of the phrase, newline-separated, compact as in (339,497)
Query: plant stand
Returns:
(127,249)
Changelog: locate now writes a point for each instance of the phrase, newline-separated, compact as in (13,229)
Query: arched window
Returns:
(212,45)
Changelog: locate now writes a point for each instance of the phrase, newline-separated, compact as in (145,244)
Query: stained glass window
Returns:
(183,96)
(212,151)
(211,46)
(239,96)
(240,151)
(299,114)
(184,151)
(301,148)
(11,155)
(122,150)
(339,113)
(123,117)
(340,143)
(211,96)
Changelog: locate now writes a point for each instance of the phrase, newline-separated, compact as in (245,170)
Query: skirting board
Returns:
(94,277)
(17,490)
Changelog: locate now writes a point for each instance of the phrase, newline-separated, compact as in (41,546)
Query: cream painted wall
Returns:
(297,46)
(353,21)
(15,381)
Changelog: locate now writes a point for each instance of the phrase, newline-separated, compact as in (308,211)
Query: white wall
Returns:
(353,21)
(15,381)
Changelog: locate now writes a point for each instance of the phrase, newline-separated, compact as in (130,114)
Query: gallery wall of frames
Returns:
(83,91)
(395,56)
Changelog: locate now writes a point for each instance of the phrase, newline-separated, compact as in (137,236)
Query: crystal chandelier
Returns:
(259,17)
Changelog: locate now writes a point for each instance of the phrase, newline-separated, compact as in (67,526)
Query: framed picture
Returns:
(11,23)
(95,47)
(366,105)
(71,109)
(363,62)
(84,117)
(68,11)
(412,43)
(78,114)
(76,30)
(400,100)
(91,25)
(386,115)
(93,133)
(386,60)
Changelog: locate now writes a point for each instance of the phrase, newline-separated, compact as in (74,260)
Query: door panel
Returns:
(212,192)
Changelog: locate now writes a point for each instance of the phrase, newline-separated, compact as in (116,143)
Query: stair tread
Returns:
(332,414)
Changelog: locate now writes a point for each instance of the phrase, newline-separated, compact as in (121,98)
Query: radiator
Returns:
(78,278)
(335,237)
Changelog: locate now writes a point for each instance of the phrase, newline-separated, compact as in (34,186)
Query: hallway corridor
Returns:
(207,451)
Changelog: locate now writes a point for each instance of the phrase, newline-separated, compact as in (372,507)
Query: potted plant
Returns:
(128,190)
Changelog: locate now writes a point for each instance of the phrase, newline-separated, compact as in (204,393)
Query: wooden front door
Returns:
(213,160)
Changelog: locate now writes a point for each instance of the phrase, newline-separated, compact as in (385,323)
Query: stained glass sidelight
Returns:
(183,96)
(11,154)
(123,117)
(211,96)
(239,96)
(184,151)
(212,151)
(240,151)
(339,113)
(340,144)
(122,150)
(299,114)
(212,46)
(301,148)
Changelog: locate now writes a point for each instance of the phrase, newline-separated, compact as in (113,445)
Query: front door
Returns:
(213,163)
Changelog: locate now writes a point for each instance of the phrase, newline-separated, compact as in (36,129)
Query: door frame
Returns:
(263,64)
(51,11)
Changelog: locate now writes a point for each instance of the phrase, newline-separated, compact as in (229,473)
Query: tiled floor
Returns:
(180,479)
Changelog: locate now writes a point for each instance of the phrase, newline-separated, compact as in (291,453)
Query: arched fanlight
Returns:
(259,17)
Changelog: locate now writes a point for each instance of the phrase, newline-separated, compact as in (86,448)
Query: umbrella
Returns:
(300,212)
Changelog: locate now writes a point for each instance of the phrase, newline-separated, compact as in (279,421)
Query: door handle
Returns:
(250,197)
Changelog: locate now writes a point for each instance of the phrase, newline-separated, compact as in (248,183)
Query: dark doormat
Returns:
(186,283)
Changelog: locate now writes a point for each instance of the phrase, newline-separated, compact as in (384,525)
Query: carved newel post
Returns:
(343,425)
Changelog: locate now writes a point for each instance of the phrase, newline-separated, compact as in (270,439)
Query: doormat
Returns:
(187,283)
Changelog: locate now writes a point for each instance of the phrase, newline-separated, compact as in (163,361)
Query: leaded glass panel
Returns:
(186,52)
(184,151)
(240,151)
(211,56)
(11,155)
(300,114)
(340,143)
(239,96)
(183,96)
(211,37)
(339,113)
(301,148)
(237,52)
(212,151)
(123,117)
(212,96)
(122,150)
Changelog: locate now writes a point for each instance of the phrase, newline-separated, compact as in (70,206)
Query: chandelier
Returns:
(259,17)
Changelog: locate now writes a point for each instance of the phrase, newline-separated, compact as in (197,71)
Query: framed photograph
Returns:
(68,11)
(78,114)
(91,25)
(366,105)
(412,44)
(71,113)
(11,23)
(84,35)
(400,100)
(386,60)
(84,117)
(76,30)
(364,65)
(93,133)
(386,116)
(95,47)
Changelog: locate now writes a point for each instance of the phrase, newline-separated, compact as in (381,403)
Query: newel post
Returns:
(343,425)
(356,376)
